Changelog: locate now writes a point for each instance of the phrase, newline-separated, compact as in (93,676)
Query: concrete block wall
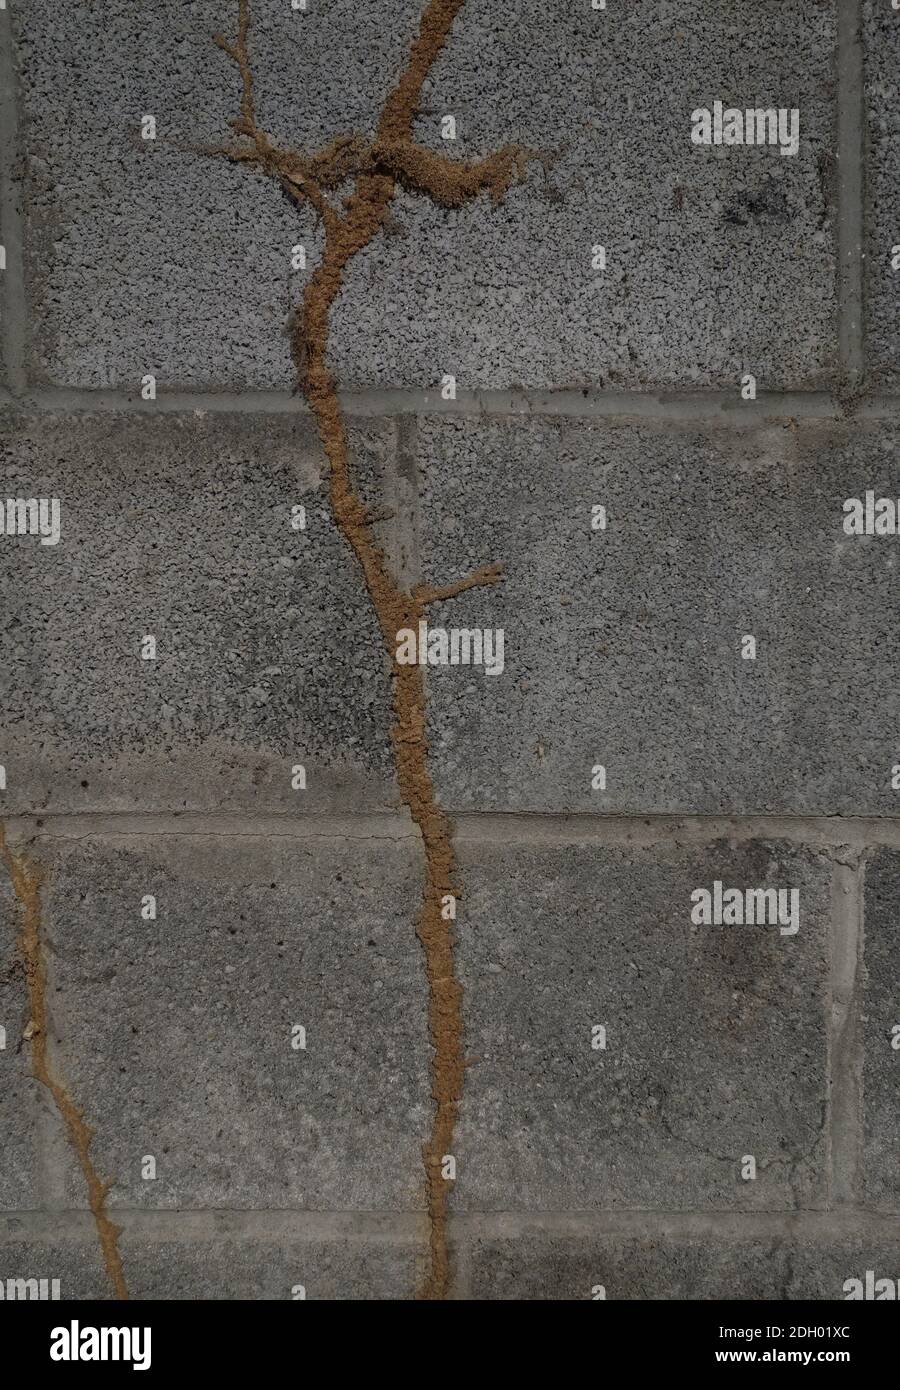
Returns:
(737,1135)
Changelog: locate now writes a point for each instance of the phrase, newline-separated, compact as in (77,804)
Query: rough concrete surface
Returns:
(211,1267)
(882,34)
(191,1018)
(881,1014)
(176,532)
(332,968)
(673,1267)
(193,259)
(623,645)
(715,1035)
(22,1168)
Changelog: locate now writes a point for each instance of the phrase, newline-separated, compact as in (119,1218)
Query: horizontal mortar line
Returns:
(724,406)
(215,1223)
(634,829)
(647,830)
(387,825)
(274,1224)
(846,1223)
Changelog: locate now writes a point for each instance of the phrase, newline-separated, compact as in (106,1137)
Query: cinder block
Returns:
(246,1269)
(544,1267)
(715,1045)
(21,1160)
(267,653)
(77,1263)
(149,256)
(835,1269)
(179,1034)
(882,232)
(182,259)
(665,1264)
(672,1265)
(623,647)
(240,1267)
(881,1017)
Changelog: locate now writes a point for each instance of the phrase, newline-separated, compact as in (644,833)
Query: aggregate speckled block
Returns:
(21,1098)
(268,658)
(881,29)
(151,256)
(625,643)
(706,1265)
(712,1047)
(881,1029)
(262,1038)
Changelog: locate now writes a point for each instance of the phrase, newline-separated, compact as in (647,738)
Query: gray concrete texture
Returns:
(882,33)
(715,1035)
(528,1265)
(211,1267)
(21,1104)
(881,1021)
(674,1267)
(190,257)
(181,1029)
(183,531)
(623,646)
(281,906)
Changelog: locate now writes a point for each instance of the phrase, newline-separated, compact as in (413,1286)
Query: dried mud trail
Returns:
(26,882)
(376,167)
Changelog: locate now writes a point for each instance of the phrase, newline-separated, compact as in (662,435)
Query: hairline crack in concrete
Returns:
(376,167)
(26,883)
